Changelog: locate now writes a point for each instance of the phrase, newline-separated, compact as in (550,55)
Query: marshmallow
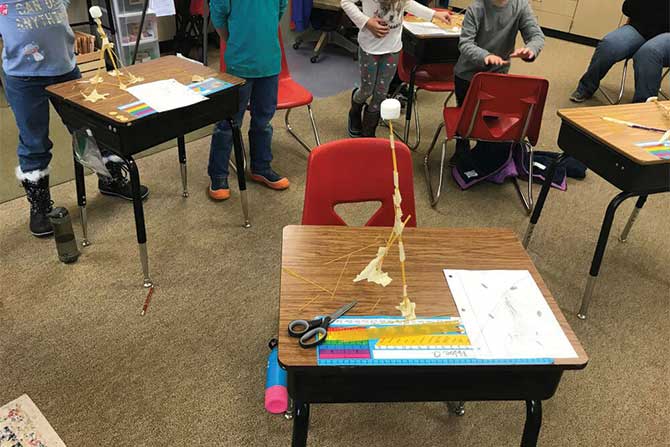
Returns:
(390,109)
(95,12)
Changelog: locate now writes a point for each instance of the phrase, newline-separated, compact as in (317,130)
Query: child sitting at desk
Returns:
(487,42)
(380,42)
(39,52)
(249,28)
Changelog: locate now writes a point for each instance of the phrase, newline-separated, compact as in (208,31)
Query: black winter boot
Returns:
(370,122)
(119,184)
(39,197)
(355,117)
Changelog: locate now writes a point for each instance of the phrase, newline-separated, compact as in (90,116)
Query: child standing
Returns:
(487,43)
(249,28)
(39,52)
(380,42)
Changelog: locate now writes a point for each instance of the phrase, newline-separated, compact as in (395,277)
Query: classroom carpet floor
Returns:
(192,371)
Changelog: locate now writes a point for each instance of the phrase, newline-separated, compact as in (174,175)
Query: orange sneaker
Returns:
(222,192)
(271,179)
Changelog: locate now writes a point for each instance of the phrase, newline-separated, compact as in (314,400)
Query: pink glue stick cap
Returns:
(276,399)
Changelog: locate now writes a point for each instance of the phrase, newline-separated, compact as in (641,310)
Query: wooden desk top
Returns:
(168,67)
(619,137)
(307,251)
(456,20)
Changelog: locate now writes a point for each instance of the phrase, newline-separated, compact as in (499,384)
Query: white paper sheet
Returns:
(162,7)
(506,316)
(165,95)
(429,28)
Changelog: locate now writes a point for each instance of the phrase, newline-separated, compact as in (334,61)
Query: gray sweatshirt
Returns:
(490,29)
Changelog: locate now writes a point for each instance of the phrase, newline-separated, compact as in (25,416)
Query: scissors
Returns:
(314,332)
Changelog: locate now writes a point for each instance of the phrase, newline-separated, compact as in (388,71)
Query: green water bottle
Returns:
(66,243)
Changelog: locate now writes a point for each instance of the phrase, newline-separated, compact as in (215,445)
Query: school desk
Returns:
(609,150)
(427,49)
(428,251)
(126,135)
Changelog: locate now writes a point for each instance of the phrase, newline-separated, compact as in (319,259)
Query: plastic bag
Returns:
(87,152)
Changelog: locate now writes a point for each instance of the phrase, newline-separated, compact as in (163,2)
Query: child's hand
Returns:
(444,16)
(492,59)
(377,27)
(524,53)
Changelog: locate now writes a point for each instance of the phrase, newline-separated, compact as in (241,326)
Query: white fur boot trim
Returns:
(31,176)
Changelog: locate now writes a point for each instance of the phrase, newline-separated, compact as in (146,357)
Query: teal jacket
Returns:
(252,50)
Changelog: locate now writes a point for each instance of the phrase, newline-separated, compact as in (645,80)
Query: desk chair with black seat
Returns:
(329,19)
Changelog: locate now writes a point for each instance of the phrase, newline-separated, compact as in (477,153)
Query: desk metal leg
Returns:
(600,250)
(81,200)
(181,147)
(140,227)
(531,430)
(633,217)
(457,407)
(239,163)
(300,425)
(408,107)
(537,210)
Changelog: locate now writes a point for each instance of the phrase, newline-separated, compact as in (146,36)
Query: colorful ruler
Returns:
(427,341)
(138,109)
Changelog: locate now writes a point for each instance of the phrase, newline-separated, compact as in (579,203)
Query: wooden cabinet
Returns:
(588,18)
(595,18)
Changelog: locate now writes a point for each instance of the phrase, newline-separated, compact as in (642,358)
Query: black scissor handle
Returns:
(313,337)
(298,328)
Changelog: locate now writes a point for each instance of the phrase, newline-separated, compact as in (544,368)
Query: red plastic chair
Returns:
(290,95)
(432,78)
(357,170)
(498,108)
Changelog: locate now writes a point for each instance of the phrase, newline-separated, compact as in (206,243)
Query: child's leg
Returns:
(461,90)
(616,46)
(262,107)
(387,65)
(368,66)
(222,142)
(649,62)
(30,104)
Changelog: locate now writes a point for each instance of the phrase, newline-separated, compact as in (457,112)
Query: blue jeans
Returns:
(29,101)
(260,94)
(649,62)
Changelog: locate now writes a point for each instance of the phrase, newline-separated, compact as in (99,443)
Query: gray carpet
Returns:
(192,371)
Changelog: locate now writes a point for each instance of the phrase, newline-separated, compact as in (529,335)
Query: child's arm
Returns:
(425,13)
(219,12)
(467,43)
(376,25)
(532,36)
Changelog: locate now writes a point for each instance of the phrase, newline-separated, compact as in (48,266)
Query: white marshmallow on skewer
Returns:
(390,109)
(95,12)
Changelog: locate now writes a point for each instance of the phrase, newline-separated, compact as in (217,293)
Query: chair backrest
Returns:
(357,170)
(503,107)
(438,72)
(284,74)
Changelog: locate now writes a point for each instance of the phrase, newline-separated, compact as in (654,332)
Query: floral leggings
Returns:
(377,71)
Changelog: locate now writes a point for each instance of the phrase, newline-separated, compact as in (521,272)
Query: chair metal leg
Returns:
(296,136)
(617,100)
(633,217)
(434,197)
(527,201)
